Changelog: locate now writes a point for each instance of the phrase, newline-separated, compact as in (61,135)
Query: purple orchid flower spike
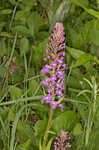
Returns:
(54,82)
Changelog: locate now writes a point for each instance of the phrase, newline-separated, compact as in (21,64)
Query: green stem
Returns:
(48,127)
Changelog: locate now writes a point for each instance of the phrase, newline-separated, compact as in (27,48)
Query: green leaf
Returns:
(37,127)
(55,6)
(2,71)
(95,36)
(40,147)
(76,38)
(22,16)
(24,46)
(2,47)
(11,114)
(42,36)
(28,4)
(3,126)
(83,59)
(6,11)
(40,127)
(32,88)
(25,145)
(75,53)
(49,144)
(2,24)
(65,121)
(24,130)
(3,113)
(15,92)
(74,82)
(21,30)
(33,23)
(94,139)
(39,53)
(77,129)
(94,32)
(76,73)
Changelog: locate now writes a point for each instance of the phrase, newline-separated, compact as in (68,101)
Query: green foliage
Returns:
(94,34)
(34,88)
(2,47)
(39,49)
(24,130)
(11,114)
(24,29)
(25,145)
(65,121)
(24,46)
(49,144)
(83,59)
(83,5)
(40,127)
(75,53)
(77,129)
(33,23)
(15,92)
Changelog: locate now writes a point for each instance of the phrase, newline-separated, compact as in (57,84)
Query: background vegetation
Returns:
(24,28)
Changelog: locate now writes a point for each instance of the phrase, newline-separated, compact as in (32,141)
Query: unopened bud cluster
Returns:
(62,141)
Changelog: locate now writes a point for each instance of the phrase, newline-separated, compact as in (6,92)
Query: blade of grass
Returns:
(88,82)
(84,91)
(34,77)
(35,98)
(74,101)
(14,11)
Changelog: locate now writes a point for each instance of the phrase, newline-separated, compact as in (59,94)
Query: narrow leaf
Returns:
(90,11)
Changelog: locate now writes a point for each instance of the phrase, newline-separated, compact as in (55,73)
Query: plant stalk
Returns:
(48,127)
